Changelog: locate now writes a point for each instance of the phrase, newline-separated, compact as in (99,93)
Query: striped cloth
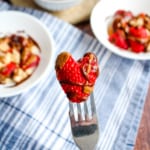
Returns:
(38,118)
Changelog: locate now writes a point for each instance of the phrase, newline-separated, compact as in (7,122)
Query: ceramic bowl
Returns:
(102,14)
(57,5)
(13,21)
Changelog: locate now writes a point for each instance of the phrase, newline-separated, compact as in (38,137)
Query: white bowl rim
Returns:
(59,1)
(94,20)
(57,5)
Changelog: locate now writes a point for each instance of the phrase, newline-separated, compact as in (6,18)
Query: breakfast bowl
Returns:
(26,54)
(102,17)
(57,5)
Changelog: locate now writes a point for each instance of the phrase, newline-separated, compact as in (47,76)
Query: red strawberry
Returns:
(118,39)
(123,13)
(74,92)
(68,70)
(9,68)
(77,78)
(31,62)
(138,32)
(136,46)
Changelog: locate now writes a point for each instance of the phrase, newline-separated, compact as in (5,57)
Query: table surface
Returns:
(143,136)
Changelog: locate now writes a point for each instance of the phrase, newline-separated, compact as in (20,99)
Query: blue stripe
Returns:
(115,89)
(127,130)
(28,115)
(17,133)
(63,126)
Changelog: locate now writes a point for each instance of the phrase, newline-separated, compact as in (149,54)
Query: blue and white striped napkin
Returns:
(38,119)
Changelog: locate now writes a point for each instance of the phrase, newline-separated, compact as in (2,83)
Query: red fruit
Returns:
(77,78)
(89,68)
(117,39)
(31,62)
(136,46)
(9,68)
(138,32)
(74,92)
(124,13)
(70,71)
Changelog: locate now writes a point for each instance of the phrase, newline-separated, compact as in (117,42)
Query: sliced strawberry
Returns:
(140,32)
(7,71)
(136,46)
(70,72)
(123,13)
(118,40)
(32,62)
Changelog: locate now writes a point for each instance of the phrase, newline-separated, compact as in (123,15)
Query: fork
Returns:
(84,124)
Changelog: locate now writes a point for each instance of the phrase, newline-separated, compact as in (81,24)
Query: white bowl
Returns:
(12,21)
(99,22)
(56,5)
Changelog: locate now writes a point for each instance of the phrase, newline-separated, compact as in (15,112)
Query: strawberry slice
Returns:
(31,62)
(9,68)
(77,78)
(68,70)
(140,32)
(136,46)
(117,39)
(123,13)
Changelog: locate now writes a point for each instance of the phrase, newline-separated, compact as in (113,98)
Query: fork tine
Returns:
(79,112)
(86,111)
(93,107)
(71,112)
(75,111)
(84,123)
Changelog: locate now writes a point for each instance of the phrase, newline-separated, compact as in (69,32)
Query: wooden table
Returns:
(143,137)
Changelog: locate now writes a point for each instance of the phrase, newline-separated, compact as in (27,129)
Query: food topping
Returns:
(77,78)
(130,32)
(19,57)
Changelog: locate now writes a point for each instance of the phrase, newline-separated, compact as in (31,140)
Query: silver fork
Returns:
(84,124)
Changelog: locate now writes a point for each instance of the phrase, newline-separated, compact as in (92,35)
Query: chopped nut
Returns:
(7,59)
(4,44)
(19,75)
(62,59)
(35,50)
(136,22)
(16,56)
(87,89)
(29,71)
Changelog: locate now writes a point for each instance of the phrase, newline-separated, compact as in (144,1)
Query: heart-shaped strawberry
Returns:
(77,78)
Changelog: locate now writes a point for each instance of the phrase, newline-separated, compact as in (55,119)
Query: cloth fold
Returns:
(38,118)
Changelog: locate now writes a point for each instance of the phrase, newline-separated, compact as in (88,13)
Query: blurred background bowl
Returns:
(13,21)
(56,5)
(103,13)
